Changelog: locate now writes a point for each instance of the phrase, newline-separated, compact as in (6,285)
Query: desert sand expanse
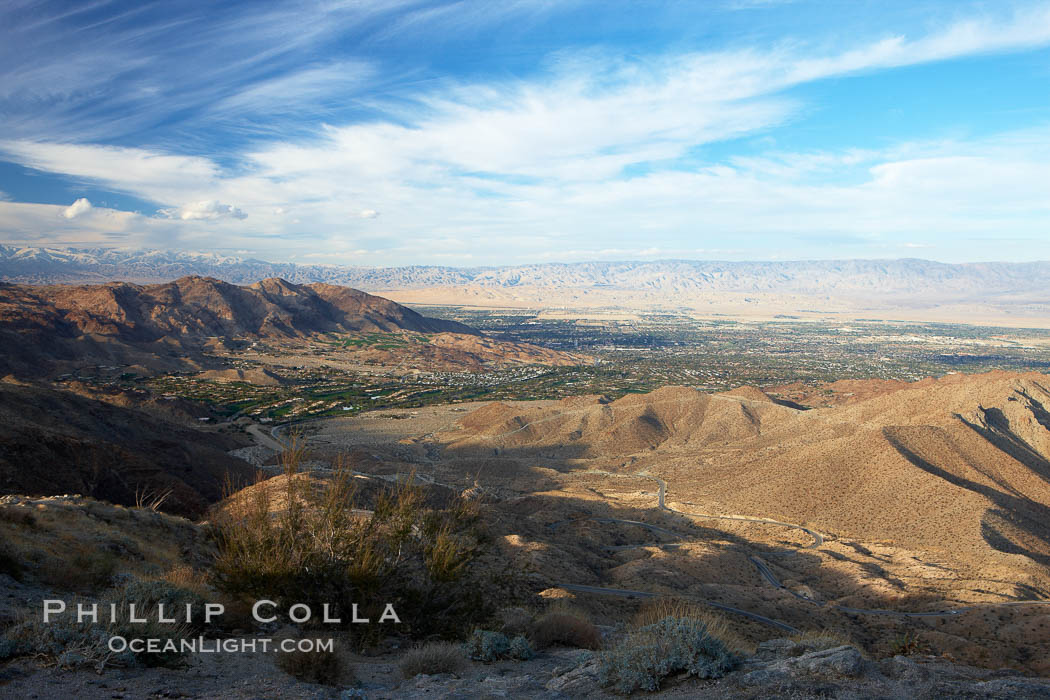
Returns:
(918,508)
(599,303)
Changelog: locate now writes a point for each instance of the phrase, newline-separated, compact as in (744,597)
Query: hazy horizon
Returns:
(622,261)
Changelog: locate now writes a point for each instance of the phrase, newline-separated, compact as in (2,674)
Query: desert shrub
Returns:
(9,563)
(188,578)
(520,649)
(445,555)
(644,657)
(655,610)
(148,595)
(66,643)
(87,569)
(310,543)
(818,640)
(909,644)
(514,621)
(327,667)
(487,646)
(63,643)
(564,628)
(23,517)
(433,658)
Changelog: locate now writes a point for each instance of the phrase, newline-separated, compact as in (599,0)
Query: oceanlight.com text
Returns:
(200,645)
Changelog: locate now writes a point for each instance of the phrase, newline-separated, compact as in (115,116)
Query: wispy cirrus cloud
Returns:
(135,67)
(597,145)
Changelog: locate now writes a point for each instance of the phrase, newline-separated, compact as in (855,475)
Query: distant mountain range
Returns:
(853,278)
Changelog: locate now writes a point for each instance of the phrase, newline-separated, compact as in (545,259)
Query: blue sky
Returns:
(465,133)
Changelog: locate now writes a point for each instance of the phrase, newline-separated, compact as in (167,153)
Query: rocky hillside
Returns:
(204,306)
(121,322)
(964,459)
(55,442)
(590,426)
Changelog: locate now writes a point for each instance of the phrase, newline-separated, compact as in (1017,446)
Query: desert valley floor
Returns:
(907,510)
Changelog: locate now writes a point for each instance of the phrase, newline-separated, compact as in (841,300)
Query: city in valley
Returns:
(610,354)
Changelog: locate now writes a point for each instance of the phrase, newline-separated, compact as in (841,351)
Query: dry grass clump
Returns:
(433,658)
(326,667)
(63,644)
(186,577)
(514,621)
(297,539)
(17,515)
(87,569)
(652,611)
(564,627)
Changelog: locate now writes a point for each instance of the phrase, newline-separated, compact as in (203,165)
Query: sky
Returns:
(411,132)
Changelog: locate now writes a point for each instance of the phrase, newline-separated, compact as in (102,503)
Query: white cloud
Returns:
(48,224)
(156,176)
(81,206)
(208,210)
(537,168)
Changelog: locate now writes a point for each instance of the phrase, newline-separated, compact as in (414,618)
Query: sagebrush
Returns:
(645,657)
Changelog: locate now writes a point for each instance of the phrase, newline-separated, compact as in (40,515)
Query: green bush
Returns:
(643,658)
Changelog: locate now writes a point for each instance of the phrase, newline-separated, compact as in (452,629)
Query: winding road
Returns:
(273,441)
(763,569)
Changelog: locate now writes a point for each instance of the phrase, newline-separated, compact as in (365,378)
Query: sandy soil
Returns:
(755,306)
